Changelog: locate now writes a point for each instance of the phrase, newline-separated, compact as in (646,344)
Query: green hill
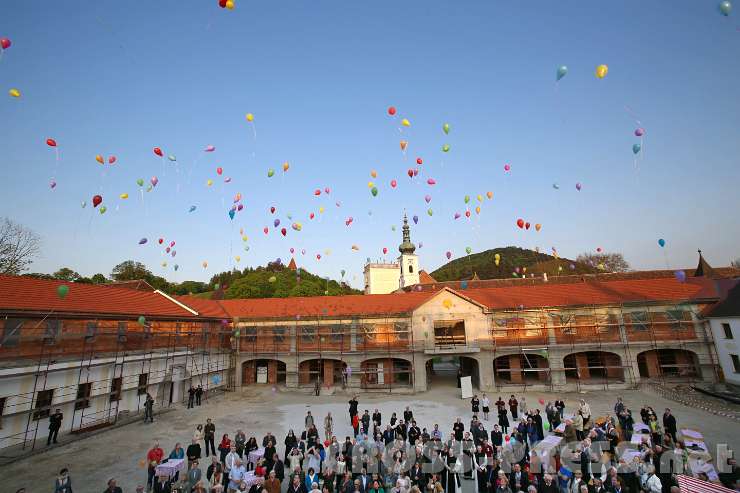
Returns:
(484,265)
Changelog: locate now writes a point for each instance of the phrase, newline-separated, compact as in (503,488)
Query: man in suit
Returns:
(112,488)
(198,394)
(377,417)
(365,481)
(669,424)
(193,477)
(548,485)
(417,476)
(297,485)
(162,485)
(55,422)
(278,468)
(518,480)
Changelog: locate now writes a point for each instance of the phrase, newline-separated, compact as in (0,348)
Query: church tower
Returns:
(408,261)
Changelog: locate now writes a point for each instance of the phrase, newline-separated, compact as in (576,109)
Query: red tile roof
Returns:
(205,307)
(27,294)
(595,293)
(425,278)
(326,306)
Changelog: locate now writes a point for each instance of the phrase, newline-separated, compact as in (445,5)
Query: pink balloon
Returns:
(154,180)
(449,255)
(639,132)
(431,181)
(457,215)
(394,183)
(507,167)
(428,198)
(210,148)
(327,190)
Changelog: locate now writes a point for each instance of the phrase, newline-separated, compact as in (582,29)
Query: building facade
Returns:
(724,321)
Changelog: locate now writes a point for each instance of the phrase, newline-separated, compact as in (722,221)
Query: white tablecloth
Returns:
(255,455)
(170,467)
(251,479)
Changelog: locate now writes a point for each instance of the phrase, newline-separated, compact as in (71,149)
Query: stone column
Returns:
(420,375)
(485,372)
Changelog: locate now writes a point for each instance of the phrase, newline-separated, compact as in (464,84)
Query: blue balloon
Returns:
(192,208)
(562,70)
(661,242)
(276,222)
(636,148)
(416,219)
(680,276)
(232,213)
(464,285)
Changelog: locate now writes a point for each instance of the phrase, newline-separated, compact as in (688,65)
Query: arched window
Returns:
(411,268)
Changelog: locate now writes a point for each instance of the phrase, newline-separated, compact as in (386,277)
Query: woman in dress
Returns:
(475,404)
(486,403)
(290,442)
(63,483)
(224,447)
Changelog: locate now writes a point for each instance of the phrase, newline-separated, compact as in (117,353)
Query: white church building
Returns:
(384,278)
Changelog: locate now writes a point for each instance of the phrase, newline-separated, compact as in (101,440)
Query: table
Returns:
(255,455)
(251,479)
(170,467)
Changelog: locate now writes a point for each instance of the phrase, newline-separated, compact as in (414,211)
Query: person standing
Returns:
(475,404)
(149,408)
(194,475)
(198,394)
(112,488)
(514,407)
(328,426)
(153,459)
(55,422)
(191,396)
(308,421)
(458,429)
(193,452)
(486,403)
(377,418)
(669,424)
(560,406)
(209,433)
(353,407)
(63,483)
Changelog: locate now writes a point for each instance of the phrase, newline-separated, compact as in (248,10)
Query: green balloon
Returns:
(546,425)
(270,173)
(140,182)
(446,128)
(374,191)
(468,250)
(725,8)
(142,320)
(429,211)
(62,291)
(467,199)
(446,148)
(103,209)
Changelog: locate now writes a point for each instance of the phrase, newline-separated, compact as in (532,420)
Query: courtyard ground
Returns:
(117,453)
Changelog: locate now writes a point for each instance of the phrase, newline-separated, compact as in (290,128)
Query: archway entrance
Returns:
(593,367)
(669,363)
(327,372)
(525,368)
(445,371)
(270,371)
(386,373)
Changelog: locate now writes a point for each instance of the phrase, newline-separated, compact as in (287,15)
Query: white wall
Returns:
(382,280)
(725,346)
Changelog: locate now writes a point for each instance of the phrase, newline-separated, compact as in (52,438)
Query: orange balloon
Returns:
(538,227)
(403,145)
(99,159)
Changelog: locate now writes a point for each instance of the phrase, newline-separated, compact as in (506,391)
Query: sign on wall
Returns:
(466,387)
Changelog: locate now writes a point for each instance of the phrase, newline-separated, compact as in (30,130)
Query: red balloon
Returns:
(111,159)
(312,215)
(219,170)
(410,173)
(5,43)
(158,151)
(467,213)
(265,230)
(394,183)
(318,256)
(542,401)
(284,231)
(96,200)
(222,4)
(385,250)
(526,225)
(172,244)
(167,249)
(272,210)
(317,192)
(520,223)
(598,249)
(392,110)
(419,161)
(51,142)
(161,240)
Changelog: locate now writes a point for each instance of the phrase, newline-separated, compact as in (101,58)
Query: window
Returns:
(449,332)
(675,319)
(336,333)
(143,379)
(92,329)
(735,362)
(178,338)
(639,320)
(278,334)
(411,268)
(728,331)
(115,389)
(308,333)
(122,329)
(402,331)
(53,329)
(12,332)
(43,403)
(250,334)
(368,333)
(83,396)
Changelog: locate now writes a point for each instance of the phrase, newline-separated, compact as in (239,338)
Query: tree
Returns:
(735,263)
(130,271)
(611,262)
(18,247)
(66,274)
(99,279)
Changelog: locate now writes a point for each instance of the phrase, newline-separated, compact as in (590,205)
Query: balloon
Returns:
(171,157)
(123,196)
(661,242)
(578,187)
(230,4)
(222,3)
(446,148)
(209,182)
(369,185)
(598,250)
(526,225)
(725,8)
(99,159)
(477,209)
(464,285)
(209,148)
(520,223)
(62,291)
(403,145)
(276,223)
(355,248)
(447,304)
(348,221)
(468,250)
(561,72)
(374,191)
(96,200)
(103,209)
(497,258)
(467,199)
(572,266)
(601,71)
(489,195)
(405,123)
(283,231)
(636,148)
(317,192)
(250,117)
(318,256)
(467,213)
(457,215)
(327,190)
(15,93)
(141,320)
(52,184)
(111,159)
(219,170)
(160,241)
(154,180)
(410,173)
(545,425)
(158,151)
(265,230)
(205,264)
(556,186)
(507,167)
(446,128)
(480,198)
(391,110)
(639,132)
(373,173)
(172,243)
(385,250)
(428,198)
(5,43)
(321,209)
(416,219)
(343,272)
(680,275)
(431,181)
(311,215)
(140,182)
(142,241)
(430,212)
(448,254)
(394,183)
(419,161)
(231,214)
(286,166)
(270,173)
(51,142)
(167,250)
(538,227)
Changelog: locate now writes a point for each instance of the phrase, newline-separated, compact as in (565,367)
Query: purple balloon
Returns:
(276,222)
(154,180)
(578,187)
(416,219)
(680,276)
(457,215)
(142,241)
(639,132)
(428,198)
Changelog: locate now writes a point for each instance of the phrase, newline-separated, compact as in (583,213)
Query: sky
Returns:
(120,78)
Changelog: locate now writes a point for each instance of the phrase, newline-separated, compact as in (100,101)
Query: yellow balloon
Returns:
(209,182)
(286,166)
(164,264)
(447,304)
(15,93)
(250,117)
(477,210)
(230,5)
(321,209)
(245,238)
(124,196)
(601,71)
(480,198)
(405,123)
(238,258)
(370,184)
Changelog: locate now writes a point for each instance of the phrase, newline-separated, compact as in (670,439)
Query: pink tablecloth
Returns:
(255,455)
(170,467)
(251,479)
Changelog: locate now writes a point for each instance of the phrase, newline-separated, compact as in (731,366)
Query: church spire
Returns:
(406,247)
(703,269)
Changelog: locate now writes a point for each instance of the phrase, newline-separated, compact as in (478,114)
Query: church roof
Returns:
(292,265)
(425,278)
(406,246)
(704,269)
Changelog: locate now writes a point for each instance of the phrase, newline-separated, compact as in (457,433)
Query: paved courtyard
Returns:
(117,453)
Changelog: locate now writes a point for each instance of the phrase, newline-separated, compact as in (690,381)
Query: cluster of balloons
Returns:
(226,4)
(526,225)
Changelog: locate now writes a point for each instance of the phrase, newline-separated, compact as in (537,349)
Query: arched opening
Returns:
(385,373)
(446,370)
(269,371)
(327,372)
(524,368)
(597,366)
(671,363)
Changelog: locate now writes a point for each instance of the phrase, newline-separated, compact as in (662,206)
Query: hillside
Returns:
(484,265)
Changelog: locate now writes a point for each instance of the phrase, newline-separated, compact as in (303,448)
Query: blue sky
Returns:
(116,78)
